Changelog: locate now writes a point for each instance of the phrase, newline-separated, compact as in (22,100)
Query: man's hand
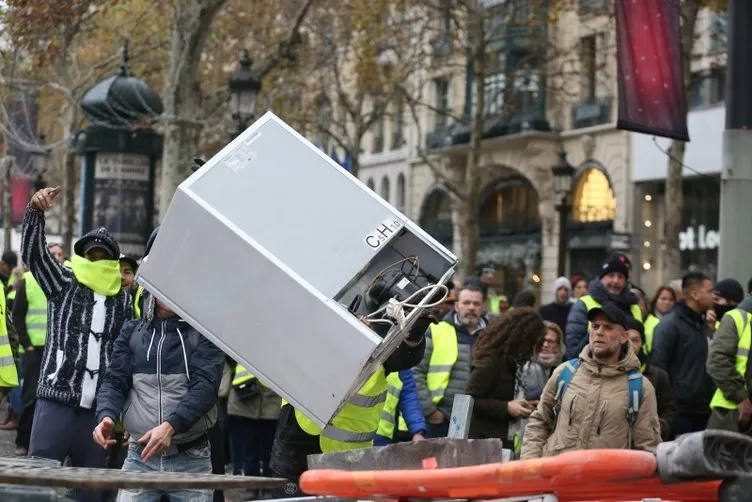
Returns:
(745,411)
(103,431)
(710,318)
(435,418)
(30,348)
(520,408)
(157,440)
(418,437)
(44,198)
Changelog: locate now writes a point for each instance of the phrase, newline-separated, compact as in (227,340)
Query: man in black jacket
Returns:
(681,346)
(659,378)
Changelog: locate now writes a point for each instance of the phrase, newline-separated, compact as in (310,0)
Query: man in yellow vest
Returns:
(611,285)
(728,360)
(8,262)
(8,351)
(445,368)
(30,319)
(352,428)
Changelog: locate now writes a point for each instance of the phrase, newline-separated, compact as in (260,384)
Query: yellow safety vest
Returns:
(744,332)
(389,412)
(354,427)
(591,303)
(650,323)
(8,373)
(136,300)
(443,357)
(36,315)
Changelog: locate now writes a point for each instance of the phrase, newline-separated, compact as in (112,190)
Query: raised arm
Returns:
(52,277)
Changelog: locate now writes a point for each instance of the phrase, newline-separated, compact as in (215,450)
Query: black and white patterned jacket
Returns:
(81,324)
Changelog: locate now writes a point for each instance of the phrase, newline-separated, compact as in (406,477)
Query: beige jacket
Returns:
(593,412)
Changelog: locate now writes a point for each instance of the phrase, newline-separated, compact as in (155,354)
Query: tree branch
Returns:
(287,46)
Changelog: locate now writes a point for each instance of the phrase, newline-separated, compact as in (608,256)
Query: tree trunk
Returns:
(69,202)
(8,203)
(674,204)
(466,205)
(182,94)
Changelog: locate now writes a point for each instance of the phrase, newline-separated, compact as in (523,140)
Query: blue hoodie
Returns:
(409,408)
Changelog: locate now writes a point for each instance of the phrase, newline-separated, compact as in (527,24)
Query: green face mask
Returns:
(101,276)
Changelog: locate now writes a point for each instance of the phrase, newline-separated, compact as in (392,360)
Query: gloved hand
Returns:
(419,328)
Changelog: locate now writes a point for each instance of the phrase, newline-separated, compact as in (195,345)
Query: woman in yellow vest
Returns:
(353,427)
(662,303)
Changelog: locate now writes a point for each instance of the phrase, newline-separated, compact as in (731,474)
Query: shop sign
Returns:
(698,238)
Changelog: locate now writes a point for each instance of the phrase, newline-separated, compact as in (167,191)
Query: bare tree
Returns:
(481,31)
(186,106)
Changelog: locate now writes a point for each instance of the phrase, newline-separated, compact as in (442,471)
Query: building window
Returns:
(385,188)
(436,215)
(370,184)
(588,57)
(593,198)
(401,192)
(719,32)
(708,88)
(442,102)
(378,135)
(509,206)
(398,126)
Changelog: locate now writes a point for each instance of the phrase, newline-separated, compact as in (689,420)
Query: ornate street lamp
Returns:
(244,87)
(563,177)
(40,158)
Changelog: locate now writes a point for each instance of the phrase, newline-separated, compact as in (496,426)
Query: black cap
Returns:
(730,289)
(130,261)
(11,258)
(636,325)
(612,313)
(615,263)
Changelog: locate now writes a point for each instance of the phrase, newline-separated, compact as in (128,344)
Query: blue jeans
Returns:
(195,460)
(14,397)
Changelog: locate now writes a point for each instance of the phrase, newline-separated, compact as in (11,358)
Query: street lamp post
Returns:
(40,156)
(563,176)
(244,87)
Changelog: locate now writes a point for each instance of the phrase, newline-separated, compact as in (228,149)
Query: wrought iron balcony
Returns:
(593,6)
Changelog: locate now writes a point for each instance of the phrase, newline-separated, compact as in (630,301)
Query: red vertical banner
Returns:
(650,74)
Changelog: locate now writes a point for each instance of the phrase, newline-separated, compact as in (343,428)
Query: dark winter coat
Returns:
(664,395)
(162,371)
(556,313)
(680,346)
(491,385)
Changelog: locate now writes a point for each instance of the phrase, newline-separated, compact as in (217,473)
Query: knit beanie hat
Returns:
(98,238)
(636,325)
(615,263)
(730,289)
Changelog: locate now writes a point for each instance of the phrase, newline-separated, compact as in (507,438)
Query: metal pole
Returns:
(736,177)
(563,209)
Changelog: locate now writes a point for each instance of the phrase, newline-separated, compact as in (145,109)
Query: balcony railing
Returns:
(527,119)
(442,45)
(591,113)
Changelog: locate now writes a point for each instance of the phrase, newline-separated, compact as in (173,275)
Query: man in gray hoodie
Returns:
(558,310)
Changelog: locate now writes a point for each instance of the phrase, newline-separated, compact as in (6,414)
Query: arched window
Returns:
(385,188)
(400,195)
(436,214)
(370,184)
(509,206)
(593,198)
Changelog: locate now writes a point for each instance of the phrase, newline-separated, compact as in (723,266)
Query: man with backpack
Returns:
(599,400)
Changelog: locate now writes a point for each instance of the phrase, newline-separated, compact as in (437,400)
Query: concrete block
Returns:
(431,453)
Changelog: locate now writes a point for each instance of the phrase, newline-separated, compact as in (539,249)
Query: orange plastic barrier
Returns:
(586,475)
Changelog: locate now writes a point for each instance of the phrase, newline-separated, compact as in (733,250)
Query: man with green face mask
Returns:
(85,310)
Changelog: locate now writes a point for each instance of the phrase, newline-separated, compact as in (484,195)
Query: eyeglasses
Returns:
(550,342)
